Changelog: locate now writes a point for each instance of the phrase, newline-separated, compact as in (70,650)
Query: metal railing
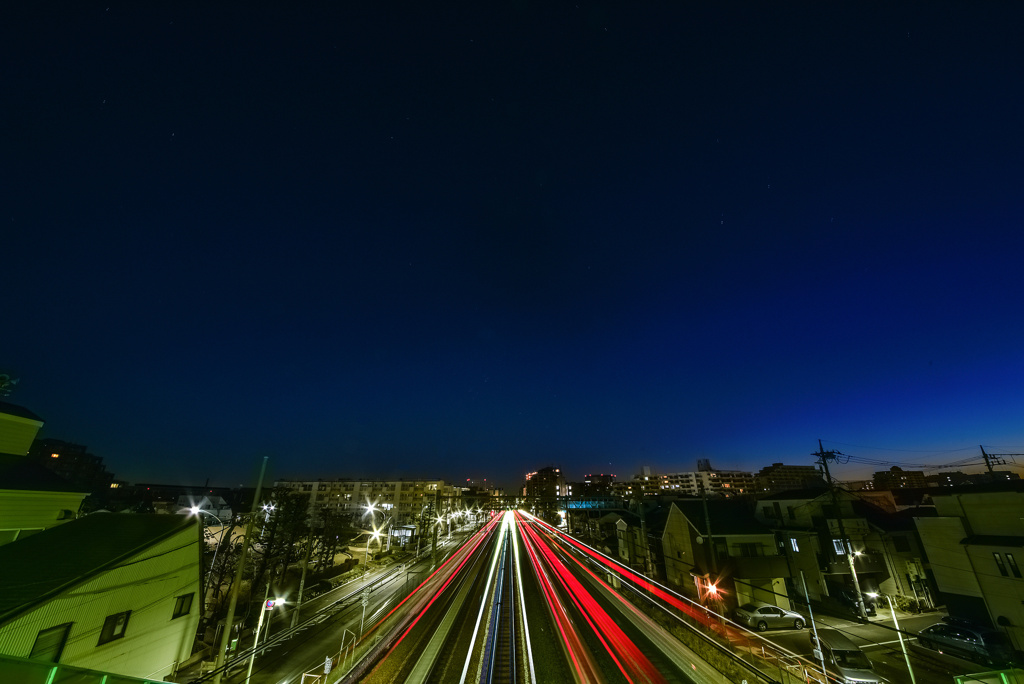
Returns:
(25,671)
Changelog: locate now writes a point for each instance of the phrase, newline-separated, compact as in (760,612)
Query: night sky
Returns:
(471,240)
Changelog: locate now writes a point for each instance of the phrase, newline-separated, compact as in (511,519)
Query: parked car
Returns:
(968,641)
(845,661)
(764,616)
(848,599)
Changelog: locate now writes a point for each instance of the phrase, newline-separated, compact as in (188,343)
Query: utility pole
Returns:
(990,461)
(823,458)
(302,581)
(226,636)
(707,525)
(435,526)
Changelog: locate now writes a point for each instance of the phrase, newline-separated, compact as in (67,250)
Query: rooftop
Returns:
(727,516)
(38,567)
(19,411)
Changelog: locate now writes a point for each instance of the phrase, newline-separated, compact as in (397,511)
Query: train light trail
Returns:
(483,601)
(522,605)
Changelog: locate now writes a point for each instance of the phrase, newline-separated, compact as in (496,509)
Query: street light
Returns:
(366,555)
(371,508)
(896,624)
(268,604)
(195,510)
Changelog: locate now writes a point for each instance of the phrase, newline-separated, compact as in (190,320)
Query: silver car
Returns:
(967,641)
(763,616)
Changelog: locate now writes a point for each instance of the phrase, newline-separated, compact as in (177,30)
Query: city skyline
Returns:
(470,241)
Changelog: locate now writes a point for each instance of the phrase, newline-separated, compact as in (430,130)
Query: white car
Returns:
(763,616)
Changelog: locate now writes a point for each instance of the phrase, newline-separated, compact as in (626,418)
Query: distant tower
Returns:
(704,465)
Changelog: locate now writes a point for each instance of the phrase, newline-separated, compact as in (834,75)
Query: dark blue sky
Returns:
(470,241)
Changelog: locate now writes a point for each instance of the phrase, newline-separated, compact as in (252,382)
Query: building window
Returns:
(1013,565)
(1000,563)
(50,643)
(792,512)
(182,605)
(792,542)
(901,544)
(114,627)
(748,549)
(837,544)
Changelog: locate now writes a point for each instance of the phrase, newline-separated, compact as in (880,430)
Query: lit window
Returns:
(837,544)
(792,542)
(54,455)
(999,562)
(1013,565)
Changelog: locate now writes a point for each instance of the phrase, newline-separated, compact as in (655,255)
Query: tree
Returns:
(285,524)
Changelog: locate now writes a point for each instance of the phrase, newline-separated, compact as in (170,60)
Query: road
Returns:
(518,601)
(326,620)
(879,640)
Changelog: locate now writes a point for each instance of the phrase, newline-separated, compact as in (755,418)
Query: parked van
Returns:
(843,658)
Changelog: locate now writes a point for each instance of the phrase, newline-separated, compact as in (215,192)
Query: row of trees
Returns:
(284,534)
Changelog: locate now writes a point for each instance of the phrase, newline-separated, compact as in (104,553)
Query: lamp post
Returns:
(366,555)
(268,604)
(195,510)
(903,645)
(372,509)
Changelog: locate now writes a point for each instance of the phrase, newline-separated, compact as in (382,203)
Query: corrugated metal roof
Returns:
(34,568)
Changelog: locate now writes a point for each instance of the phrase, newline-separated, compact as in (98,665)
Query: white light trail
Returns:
(522,604)
(483,601)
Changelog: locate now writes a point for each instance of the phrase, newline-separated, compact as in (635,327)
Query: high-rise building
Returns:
(546,482)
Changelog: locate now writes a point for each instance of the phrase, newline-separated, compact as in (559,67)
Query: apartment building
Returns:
(779,477)
(401,499)
(706,480)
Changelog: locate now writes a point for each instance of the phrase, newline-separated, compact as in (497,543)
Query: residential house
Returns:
(32,498)
(717,550)
(886,553)
(117,593)
(975,542)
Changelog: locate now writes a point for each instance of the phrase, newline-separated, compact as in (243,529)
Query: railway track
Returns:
(500,657)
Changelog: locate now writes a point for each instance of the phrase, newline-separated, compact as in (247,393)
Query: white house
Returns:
(118,593)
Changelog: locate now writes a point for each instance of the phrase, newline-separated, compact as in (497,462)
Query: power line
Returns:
(909,451)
